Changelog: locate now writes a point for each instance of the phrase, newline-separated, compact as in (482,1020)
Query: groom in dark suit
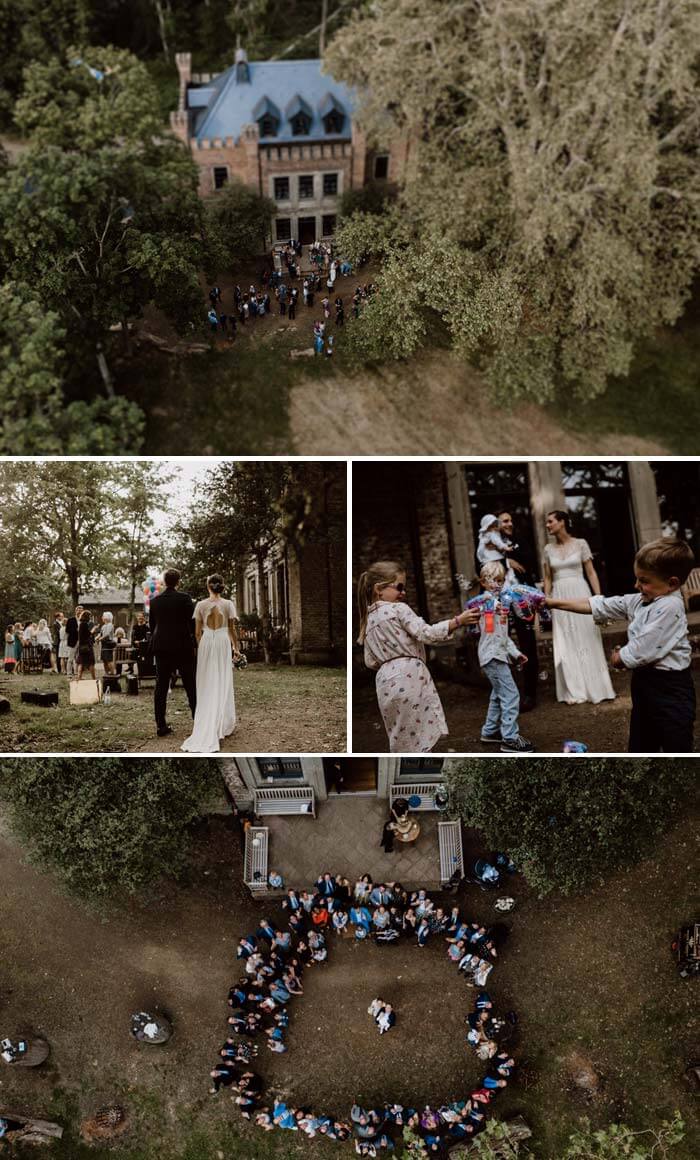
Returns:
(172,644)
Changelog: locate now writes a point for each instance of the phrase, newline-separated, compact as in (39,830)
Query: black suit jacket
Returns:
(171,624)
(71,632)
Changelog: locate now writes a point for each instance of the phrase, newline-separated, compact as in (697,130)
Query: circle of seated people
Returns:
(275,957)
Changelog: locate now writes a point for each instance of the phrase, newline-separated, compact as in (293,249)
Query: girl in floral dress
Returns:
(394,639)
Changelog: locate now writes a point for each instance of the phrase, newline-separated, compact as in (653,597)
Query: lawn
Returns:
(280,708)
(590,976)
(250,397)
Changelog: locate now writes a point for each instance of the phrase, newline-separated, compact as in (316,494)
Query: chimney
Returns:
(242,67)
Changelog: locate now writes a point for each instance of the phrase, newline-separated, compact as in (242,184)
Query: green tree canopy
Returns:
(568,823)
(108,826)
(101,216)
(57,520)
(550,204)
(238,222)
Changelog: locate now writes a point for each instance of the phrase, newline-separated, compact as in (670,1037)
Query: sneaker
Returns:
(517,745)
(491,738)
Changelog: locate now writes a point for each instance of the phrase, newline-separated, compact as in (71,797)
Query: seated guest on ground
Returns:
(44,642)
(363,888)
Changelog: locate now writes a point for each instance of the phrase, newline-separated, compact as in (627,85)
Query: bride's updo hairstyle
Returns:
(562,516)
(215,583)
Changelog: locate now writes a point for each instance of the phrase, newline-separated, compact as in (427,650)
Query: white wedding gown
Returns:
(215,716)
(580,667)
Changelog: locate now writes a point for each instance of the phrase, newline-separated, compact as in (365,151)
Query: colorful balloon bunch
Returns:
(151,587)
(521,598)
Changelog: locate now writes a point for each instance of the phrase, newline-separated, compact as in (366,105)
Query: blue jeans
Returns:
(504,702)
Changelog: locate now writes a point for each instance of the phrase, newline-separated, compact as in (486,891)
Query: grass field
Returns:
(280,708)
(590,976)
(251,397)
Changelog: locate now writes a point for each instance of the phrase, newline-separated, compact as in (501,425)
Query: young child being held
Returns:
(495,650)
(657,651)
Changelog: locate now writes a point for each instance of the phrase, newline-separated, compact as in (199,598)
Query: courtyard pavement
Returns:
(344,838)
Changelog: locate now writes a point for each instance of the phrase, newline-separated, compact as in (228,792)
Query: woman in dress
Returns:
(105,635)
(10,659)
(45,643)
(215,629)
(86,651)
(394,640)
(580,666)
(62,646)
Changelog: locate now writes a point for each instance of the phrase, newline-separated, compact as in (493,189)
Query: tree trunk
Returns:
(261,556)
(72,572)
(105,371)
(162,28)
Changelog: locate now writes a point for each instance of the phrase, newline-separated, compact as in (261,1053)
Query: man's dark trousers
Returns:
(167,664)
(663,711)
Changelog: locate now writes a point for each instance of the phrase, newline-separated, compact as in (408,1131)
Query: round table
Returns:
(407,830)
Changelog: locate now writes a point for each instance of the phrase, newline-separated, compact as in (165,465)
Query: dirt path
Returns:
(432,406)
(603,728)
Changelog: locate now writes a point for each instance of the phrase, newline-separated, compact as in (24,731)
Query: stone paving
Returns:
(344,838)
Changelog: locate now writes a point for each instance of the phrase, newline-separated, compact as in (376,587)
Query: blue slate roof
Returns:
(285,84)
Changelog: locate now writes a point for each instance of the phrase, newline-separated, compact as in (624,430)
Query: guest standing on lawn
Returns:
(394,639)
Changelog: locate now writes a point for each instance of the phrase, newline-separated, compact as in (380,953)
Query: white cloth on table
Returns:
(395,642)
(215,715)
(580,667)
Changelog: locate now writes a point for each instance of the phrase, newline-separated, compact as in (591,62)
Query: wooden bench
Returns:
(691,588)
(425,790)
(255,859)
(285,800)
(451,853)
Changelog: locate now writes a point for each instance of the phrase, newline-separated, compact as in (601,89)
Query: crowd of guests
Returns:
(274,958)
(67,645)
(278,293)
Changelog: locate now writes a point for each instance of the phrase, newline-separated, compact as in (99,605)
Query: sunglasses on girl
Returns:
(398,587)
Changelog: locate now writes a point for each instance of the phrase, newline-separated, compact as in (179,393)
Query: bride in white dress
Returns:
(580,667)
(215,715)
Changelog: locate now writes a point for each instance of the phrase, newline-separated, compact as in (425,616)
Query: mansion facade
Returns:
(285,129)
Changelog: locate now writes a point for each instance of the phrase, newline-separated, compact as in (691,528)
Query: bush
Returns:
(107,826)
(565,823)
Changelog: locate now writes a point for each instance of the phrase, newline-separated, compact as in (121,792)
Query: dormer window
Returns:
(300,116)
(333,122)
(301,124)
(268,117)
(332,114)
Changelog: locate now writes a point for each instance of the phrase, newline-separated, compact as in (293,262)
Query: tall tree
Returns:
(237,518)
(101,215)
(550,207)
(66,507)
(565,830)
(140,493)
(115,828)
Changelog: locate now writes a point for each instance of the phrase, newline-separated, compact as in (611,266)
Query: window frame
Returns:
(280,196)
(333,178)
(381,157)
(283,237)
(305,177)
(218,169)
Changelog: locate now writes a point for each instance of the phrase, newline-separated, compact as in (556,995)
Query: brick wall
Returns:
(400,513)
(317,572)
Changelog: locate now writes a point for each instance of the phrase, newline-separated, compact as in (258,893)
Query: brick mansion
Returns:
(284,128)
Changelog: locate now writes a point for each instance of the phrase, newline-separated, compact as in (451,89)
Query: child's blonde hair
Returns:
(381,572)
(492,573)
(667,558)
